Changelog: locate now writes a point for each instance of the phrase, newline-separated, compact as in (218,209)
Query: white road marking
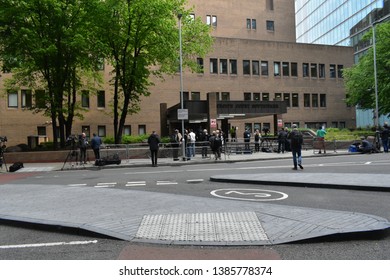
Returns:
(48,244)
(135,183)
(166,183)
(76,185)
(105,185)
(195,181)
(368,162)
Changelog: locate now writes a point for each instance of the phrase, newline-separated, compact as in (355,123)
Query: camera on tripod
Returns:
(3,139)
(71,140)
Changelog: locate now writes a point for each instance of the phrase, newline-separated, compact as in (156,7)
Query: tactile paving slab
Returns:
(208,227)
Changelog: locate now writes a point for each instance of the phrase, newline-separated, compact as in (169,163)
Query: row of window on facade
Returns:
(313,100)
(252,127)
(27,96)
(100,130)
(262,68)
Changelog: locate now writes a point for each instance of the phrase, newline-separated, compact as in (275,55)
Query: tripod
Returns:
(72,155)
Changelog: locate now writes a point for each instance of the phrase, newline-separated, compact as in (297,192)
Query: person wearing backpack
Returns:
(296,140)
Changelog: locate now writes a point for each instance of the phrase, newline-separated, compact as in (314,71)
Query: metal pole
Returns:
(375,78)
(181,86)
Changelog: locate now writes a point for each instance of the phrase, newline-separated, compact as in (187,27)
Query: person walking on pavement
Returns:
(154,141)
(321,132)
(296,139)
(385,133)
(96,141)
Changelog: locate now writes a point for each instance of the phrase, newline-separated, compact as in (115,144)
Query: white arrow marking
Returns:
(254,194)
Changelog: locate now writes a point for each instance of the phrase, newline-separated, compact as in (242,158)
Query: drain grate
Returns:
(212,227)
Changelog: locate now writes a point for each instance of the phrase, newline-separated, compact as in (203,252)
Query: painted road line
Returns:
(194,181)
(76,185)
(48,244)
(166,183)
(105,185)
(136,183)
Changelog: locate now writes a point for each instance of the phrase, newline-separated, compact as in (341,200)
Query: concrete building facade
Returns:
(255,58)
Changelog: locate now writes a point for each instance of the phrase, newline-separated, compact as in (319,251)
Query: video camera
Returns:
(3,139)
(72,140)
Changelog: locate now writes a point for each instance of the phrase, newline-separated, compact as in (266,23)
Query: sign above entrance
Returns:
(182,114)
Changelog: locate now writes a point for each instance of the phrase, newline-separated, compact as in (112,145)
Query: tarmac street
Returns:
(169,218)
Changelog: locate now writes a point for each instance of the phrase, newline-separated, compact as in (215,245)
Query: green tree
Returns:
(49,45)
(360,80)
(142,40)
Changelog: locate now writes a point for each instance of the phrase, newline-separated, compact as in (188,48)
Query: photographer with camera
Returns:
(83,143)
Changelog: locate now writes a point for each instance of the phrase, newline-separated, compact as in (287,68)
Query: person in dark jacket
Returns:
(96,141)
(296,139)
(154,141)
(282,137)
(385,133)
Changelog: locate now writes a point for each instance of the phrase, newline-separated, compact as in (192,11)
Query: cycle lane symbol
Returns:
(249,194)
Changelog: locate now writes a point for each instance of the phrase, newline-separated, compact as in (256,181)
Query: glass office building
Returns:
(342,23)
(329,22)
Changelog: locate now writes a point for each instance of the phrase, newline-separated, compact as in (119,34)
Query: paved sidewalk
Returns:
(142,216)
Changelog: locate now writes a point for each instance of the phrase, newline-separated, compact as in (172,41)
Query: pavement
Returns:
(142,216)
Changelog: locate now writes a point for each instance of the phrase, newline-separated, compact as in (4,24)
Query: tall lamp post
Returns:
(181,88)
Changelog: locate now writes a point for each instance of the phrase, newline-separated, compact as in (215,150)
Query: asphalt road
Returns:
(19,241)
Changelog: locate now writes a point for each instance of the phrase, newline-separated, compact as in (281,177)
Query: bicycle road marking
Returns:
(249,194)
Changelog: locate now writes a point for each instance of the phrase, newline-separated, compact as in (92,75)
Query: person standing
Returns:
(296,139)
(154,141)
(204,139)
(282,137)
(247,139)
(192,140)
(175,144)
(96,141)
(83,143)
(385,133)
(321,132)
(257,140)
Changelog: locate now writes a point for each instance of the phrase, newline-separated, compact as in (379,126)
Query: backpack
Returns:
(296,138)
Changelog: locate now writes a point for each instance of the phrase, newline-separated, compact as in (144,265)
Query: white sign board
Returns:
(182,114)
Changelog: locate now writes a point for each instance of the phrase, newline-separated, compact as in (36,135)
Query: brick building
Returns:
(255,59)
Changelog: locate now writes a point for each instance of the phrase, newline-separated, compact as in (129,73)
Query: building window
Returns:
(192,16)
(195,95)
(40,101)
(286,69)
(313,70)
(323,100)
(270,25)
(101,131)
(321,68)
(295,100)
(265,96)
(256,96)
(276,68)
(41,130)
(223,68)
(294,69)
(314,100)
(248,23)
(141,129)
(255,68)
(12,99)
(247,96)
(340,71)
(101,99)
(306,100)
(213,66)
(100,64)
(278,96)
(200,67)
(26,98)
(286,98)
(264,68)
(225,96)
(341,125)
(186,95)
(332,71)
(248,126)
(233,66)
(127,130)
(270,5)
(211,20)
(305,69)
(246,67)
(254,25)
(85,99)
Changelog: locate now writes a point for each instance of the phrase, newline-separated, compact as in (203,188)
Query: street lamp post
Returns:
(181,86)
